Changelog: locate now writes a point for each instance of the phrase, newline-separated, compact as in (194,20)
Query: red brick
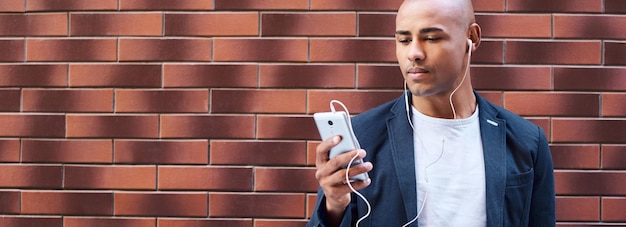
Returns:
(33,75)
(10,201)
(12,6)
(162,101)
(355,101)
(261,5)
(379,76)
(495,97)
(614,6)
(286,127)
(614,157)
(578,208)
(311,153)
(279,223)
(161,204)
(589,26)
(67,203)
(588,130)
(9,150)
(209,75)
(10,100)
(27,221)
(515,25)
(166,5)
(12,50)
(115,75)
(67,100)
(285,179)
(108,221)
(36,125)
(613,209)
(235,152)
(165,49)
(355,5)
(256,205)
(488,5)
(71,50)
(511,78)
(575,156)
(117,126)
(577,6)
(67,151)
(552,104)
(165,222)
(30,176)
(308,24)
(205,178)
(214,126)
(614,53)
(50,24)
(70,5)
(161,152)
(553,52)
(613,104)
(110,177)
(352,50)
(306,76)
(258,101)
(212,24)
(292,49)
(116,24)
(311,199)
(377,24)
(606,183)
(590,79)
(489,52)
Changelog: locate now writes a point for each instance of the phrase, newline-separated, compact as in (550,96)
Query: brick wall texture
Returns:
(177,113)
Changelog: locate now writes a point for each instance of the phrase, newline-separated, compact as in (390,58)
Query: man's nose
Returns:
(416,52)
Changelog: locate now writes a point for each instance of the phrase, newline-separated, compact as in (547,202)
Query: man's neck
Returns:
(464,102)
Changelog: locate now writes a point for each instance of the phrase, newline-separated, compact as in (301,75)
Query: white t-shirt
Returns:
(450,171)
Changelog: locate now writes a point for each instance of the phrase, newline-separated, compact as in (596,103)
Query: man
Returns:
(440,155)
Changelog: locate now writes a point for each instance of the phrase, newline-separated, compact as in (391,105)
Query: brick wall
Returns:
(198,112)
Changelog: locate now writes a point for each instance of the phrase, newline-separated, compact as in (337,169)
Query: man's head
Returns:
(432,43)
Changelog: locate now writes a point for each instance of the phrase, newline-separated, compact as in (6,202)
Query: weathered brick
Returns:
(161,204)
(212,24)
(161,151)
(205,178)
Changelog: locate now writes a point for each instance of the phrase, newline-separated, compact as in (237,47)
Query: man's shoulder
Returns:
(513,121)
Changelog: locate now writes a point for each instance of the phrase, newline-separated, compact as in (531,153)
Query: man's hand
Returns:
(332,177)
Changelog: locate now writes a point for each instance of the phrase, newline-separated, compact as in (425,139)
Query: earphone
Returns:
(406,99)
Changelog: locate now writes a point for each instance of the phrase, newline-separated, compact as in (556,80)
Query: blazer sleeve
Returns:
(542,207)
(318,217)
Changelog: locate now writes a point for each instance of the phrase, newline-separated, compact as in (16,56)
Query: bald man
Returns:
(439,155)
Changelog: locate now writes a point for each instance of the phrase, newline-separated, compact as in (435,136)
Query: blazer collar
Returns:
(401,136)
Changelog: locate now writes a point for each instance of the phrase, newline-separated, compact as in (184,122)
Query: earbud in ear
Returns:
(469,43)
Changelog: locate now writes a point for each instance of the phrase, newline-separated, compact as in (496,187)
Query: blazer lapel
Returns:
(493,134)
(401,136)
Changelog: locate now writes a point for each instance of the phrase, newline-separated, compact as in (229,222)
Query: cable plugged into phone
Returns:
(338,123)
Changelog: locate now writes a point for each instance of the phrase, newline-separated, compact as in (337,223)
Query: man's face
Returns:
(431,43)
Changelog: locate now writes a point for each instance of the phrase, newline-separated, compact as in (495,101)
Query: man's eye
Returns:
(432,39)
(404,41)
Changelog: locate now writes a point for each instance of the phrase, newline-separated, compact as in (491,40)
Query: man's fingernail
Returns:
(336,139)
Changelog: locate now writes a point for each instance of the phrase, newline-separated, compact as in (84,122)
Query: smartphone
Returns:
(336,123)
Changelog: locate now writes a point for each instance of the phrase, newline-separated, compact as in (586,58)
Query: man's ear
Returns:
(474,35)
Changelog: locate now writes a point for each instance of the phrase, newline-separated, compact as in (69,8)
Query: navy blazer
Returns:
(518,169)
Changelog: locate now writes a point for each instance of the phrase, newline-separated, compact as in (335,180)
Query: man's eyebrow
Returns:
(422,31)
